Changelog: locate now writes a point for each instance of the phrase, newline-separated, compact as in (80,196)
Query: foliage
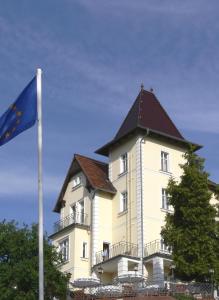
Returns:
(19,265)
(191,229)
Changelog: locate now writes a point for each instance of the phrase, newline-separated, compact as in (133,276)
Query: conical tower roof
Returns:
(147,114)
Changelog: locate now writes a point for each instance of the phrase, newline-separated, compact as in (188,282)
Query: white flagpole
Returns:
(40,185)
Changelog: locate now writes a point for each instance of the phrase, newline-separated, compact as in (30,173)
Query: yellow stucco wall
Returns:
(122,231)
(116,226)
(73,195)
(124,224)
(76,265)
(154,180)
(105,219)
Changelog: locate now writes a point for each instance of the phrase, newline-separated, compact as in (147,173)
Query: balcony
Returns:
(74,218)
(156,247)
(121,248)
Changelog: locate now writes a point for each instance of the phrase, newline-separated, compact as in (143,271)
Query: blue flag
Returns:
(21,115)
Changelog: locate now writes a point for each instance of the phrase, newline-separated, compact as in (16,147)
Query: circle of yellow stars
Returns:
(18,115)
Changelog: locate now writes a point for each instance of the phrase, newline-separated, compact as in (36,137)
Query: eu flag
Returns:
(21,115)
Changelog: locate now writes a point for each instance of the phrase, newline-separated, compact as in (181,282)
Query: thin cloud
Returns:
(204,121)
(113,87)
(122,7)
(18,182)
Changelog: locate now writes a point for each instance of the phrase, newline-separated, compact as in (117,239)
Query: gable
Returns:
(95,172)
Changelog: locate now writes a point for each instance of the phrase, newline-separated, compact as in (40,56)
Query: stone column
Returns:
(158,271)
(122,266)
(94,228)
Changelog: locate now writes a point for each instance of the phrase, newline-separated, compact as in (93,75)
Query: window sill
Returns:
(167,210)
(64,262)
(122,174)
(84,258)
(124,212)
(165,172)
(76,187)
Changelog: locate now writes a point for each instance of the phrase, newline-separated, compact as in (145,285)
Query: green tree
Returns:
(19,265)
(191,229)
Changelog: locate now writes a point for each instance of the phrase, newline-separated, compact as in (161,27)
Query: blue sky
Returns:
(94,56)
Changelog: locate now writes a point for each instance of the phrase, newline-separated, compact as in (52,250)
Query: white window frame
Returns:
(123,201)
(124,163)
(164,161)
(165,201)
(164,247)
(62,213)
(78,211)
(76,182)
(84,250)
(64,249)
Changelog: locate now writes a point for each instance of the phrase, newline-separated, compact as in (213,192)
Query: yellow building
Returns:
(111,214)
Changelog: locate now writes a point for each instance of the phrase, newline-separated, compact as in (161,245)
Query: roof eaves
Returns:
(113,191)
(58,201)
(104,149)
(213,185)
(197,146)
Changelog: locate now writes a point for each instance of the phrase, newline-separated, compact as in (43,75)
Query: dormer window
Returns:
(123,163)
(76,181)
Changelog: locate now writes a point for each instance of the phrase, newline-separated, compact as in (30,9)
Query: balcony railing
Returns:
(156,246)
(74,218)
(121,248)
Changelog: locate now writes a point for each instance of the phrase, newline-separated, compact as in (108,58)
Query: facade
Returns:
(111,214)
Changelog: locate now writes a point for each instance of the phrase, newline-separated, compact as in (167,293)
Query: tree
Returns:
(190,231)
(19,265)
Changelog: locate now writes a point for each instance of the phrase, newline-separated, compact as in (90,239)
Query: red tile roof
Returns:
(146,114)
(96,173)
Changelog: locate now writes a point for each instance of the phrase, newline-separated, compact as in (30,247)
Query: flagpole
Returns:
(40,185)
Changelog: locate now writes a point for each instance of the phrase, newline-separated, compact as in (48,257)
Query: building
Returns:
(111,214)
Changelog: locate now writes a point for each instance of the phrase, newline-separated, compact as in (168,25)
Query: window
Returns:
(105,251)
(73,209)
(64,249)
(62,213)
(164,161)
(164,247)
(77,212)
(124,202)
(76,181)
(80,212)
(84,250)
(72,218)
(165,204)
(123,163)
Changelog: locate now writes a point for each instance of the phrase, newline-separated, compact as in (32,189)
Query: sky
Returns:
(94,55)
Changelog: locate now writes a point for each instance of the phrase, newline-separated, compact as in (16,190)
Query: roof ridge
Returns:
(95,160)
(164,110)
(139,106)
(127,115)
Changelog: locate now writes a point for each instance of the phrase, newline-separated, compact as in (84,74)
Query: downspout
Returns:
(93,194)
(141,205)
